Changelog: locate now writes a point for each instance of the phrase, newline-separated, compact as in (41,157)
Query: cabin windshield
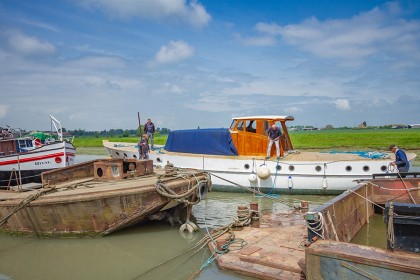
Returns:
(240,126)
(232,125)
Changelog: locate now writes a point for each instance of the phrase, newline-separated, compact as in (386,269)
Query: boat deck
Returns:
(295,156)
(86,186)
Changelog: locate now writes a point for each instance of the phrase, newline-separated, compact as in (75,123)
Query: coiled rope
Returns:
(194,192)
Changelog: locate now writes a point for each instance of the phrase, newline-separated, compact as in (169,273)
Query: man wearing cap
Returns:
(401,160)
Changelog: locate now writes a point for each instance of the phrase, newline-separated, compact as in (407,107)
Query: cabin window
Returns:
(240,126)
(232,125)
(348,168)
(246,166)
(251,126)
(278,167)
(22,144)
(268,124)
(366,168)
(291,168)
(318,168)
(384,168)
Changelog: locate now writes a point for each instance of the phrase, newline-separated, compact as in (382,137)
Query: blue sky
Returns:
(94,64)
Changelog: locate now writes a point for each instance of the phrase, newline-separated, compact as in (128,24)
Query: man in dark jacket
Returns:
(401,160)
(274,134)
(149,129)
(143,147)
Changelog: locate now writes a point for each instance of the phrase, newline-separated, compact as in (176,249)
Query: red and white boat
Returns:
(23,159)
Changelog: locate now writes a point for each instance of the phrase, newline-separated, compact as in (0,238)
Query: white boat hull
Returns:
(32,163)
(230,173)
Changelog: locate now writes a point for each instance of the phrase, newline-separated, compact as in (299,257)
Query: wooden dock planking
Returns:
(271,252)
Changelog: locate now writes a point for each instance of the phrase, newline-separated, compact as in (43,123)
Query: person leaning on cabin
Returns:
(274,134)
(401,160)
(149,128)
(143,147)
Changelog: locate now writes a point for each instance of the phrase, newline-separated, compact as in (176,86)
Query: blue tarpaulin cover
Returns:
(212,141)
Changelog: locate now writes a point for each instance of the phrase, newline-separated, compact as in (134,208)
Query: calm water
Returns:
(129,253)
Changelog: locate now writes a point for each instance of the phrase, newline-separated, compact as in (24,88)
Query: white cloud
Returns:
(376,32)
(173,52)
(191,12)
(342,104)
(3,110)
(28,45)
(256,40)
(292,110)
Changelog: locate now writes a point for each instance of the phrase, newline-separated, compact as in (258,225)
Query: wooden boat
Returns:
(99,197)
(335,223)
(236,157)
(316,244)
(23,159)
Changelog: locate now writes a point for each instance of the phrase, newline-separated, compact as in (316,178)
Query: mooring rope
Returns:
(315,227)
(171,172)
(390,230)
(25,202)
(257,192)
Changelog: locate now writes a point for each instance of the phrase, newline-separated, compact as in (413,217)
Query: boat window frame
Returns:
(240,122)
(251,126)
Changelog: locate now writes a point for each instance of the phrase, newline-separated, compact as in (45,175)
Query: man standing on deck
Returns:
(149,129)
(401,160)
(274,134)
(143,147)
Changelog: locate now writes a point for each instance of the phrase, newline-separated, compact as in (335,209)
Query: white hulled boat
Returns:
(23,159)
(236,157)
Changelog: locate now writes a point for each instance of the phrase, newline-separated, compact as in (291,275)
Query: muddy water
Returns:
(130,253)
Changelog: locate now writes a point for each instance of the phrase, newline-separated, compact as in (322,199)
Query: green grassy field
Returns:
(351,140)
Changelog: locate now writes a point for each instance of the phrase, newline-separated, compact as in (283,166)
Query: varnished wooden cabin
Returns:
(249,134)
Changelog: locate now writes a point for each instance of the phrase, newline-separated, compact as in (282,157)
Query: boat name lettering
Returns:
(42,162)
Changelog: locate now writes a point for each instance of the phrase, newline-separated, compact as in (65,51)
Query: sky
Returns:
(94,64)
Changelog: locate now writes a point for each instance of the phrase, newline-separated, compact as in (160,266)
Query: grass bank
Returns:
(350,140)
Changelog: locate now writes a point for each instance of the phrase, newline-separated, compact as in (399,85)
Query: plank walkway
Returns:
(273,248)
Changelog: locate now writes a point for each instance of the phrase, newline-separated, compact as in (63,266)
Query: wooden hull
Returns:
(87,207)
(342,218)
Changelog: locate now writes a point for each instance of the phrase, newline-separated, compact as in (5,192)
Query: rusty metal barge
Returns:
(96,198)
(317,244)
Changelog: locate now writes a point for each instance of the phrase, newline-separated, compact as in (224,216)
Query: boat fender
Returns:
(324,183)
(252,177)
(263,172)
(290,182)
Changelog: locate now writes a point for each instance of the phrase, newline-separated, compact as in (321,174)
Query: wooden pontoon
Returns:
(283,247)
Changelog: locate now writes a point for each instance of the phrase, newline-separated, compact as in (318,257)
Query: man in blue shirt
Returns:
(401,160)
(149,129)
(274,134)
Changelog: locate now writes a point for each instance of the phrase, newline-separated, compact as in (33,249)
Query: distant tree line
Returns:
(113,132)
